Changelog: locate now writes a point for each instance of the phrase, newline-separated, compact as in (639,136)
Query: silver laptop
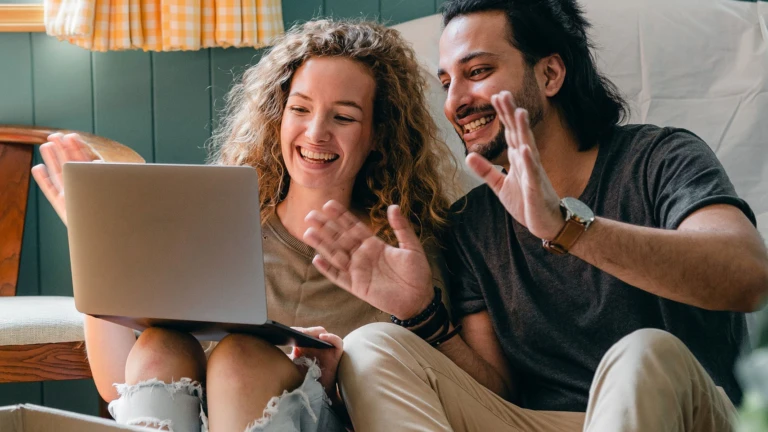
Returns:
(176,246)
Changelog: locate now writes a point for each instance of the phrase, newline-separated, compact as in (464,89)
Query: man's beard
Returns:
(528,98)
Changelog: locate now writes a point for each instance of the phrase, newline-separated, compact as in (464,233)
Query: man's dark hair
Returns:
(591,104)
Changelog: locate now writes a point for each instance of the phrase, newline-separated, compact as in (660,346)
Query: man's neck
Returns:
(300,201)
(568,169)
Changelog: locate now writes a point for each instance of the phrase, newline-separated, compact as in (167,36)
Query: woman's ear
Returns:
(553,70)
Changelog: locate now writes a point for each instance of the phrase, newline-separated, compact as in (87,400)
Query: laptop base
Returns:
(270,331)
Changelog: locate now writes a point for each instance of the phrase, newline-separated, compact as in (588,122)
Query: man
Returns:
(634,315)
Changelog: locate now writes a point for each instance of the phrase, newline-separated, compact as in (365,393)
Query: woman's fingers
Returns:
(338,277)
(53,194)
(406,236)
(326,245)
(332,339)
(74,149)
(43,179)
(52,164)
(336,235)
(311,331)
(346,220)
(330,238)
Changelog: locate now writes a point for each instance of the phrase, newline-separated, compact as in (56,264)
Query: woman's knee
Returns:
(243,360)
(166,355)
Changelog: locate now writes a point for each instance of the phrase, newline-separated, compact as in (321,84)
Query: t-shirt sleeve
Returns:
(463,287)
(684,175)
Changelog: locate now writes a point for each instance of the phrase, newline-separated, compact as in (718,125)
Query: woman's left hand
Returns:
(327,358)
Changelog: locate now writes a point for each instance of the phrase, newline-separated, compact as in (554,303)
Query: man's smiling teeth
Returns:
(475,125)
(315,156)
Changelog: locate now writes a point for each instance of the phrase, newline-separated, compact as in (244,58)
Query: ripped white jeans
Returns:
(180,406)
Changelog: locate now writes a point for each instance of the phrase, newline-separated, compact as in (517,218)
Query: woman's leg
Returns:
(162,390)
(243,374)
(165,355)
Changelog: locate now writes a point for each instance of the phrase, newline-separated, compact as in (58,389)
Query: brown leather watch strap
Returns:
(565,239)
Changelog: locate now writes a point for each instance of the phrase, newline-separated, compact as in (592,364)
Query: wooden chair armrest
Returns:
(103,148)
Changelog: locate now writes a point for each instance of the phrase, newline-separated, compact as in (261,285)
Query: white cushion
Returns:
(39,319)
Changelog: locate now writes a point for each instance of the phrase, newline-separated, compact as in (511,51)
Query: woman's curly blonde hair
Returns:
(409,165)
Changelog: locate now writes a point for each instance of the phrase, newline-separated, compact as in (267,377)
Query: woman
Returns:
(335,111)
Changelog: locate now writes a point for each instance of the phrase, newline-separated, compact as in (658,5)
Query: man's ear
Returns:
(552,69)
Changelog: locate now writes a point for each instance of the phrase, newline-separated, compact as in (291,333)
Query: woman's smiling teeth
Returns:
(316,157)
(477,124)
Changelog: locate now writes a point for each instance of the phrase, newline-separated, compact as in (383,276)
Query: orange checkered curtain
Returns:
(163,25)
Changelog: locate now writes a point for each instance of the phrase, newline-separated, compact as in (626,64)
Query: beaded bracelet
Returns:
(426,313)
(436,326)
(436,343)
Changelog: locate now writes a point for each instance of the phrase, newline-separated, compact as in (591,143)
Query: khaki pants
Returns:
(649,381)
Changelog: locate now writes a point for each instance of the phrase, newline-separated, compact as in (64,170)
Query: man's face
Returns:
(478,61)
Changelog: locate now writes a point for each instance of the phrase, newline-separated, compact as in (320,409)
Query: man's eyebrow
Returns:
(468,58)
(348,103)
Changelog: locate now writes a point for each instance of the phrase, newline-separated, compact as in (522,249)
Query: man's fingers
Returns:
(525,134)
(406,236)
(532,167)
(486,171)
(503,105)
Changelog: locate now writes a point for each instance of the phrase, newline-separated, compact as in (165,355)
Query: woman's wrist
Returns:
(424,314)
(433,324)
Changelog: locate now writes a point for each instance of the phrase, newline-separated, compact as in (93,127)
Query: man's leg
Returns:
(392,380)
(650,381)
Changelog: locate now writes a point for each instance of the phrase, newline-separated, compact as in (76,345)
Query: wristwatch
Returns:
(578,218)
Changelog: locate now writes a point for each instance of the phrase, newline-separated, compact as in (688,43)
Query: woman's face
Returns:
(327,123)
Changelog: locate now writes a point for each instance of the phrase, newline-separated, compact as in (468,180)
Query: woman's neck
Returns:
(299,201)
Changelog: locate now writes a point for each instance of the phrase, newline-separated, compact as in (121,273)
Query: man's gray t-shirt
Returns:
(556,316)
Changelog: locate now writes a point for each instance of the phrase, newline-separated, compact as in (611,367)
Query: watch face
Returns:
(578,210)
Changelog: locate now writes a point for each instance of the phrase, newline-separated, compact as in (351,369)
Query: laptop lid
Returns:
(170,242)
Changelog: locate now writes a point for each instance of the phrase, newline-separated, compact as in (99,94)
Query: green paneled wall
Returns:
(162,105)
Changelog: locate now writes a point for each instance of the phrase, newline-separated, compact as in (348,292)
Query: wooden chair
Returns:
(41,337)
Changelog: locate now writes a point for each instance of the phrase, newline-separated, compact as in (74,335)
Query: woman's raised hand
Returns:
(58,150)
(396,280)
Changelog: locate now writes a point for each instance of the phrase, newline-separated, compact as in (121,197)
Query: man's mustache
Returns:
(473,110)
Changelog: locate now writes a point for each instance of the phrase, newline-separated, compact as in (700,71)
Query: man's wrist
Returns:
(577,219)
(581,248)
